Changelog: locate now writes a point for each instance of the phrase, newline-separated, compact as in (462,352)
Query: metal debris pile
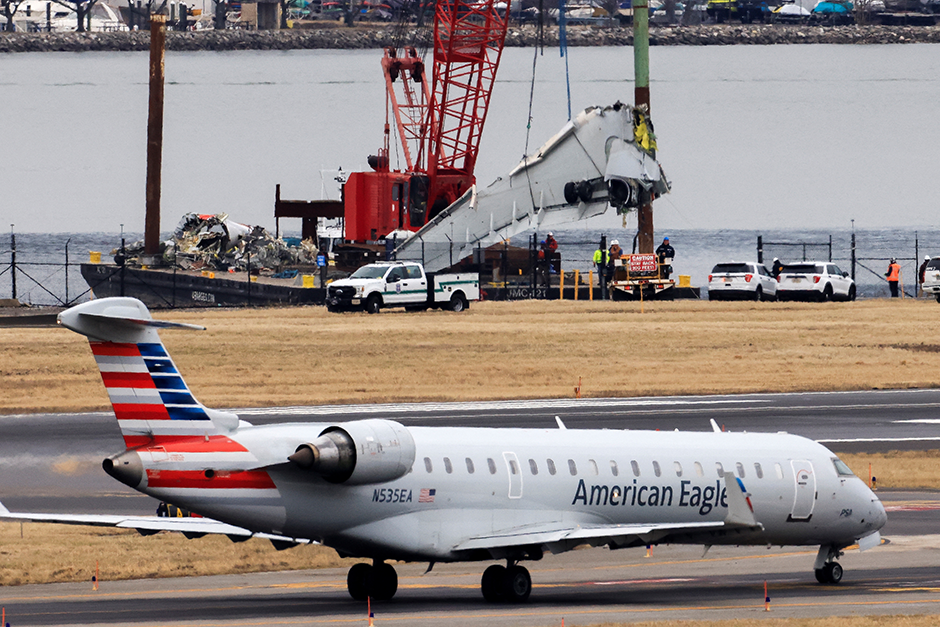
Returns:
(213,242)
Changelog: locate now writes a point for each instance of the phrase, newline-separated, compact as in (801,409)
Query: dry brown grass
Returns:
(898,469)
(64,553)
(530,349)
(844,621)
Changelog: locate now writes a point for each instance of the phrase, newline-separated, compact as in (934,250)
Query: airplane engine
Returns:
(360,452)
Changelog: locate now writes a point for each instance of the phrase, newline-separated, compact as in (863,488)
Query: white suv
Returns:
(746,279)
(932,278)
(814,280)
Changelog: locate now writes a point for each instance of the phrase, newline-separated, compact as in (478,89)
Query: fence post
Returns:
(760,249)
(853,255)
(67,270)
(13,260)
(123,259)
(916,266)
(830,248)
(602,268)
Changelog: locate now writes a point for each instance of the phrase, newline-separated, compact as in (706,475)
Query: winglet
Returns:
(3,510)
(740,510)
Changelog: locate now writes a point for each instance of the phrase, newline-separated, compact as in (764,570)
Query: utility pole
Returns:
(641,72)
(155,136)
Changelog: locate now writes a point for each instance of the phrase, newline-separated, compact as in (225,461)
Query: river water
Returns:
(756,139)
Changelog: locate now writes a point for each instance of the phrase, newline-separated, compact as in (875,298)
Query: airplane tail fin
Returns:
(150,399)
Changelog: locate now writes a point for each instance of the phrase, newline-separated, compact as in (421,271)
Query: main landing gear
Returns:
(506,583)
(828,570)
(377,580)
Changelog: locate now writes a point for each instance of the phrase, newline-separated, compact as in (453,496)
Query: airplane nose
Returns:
(126,468)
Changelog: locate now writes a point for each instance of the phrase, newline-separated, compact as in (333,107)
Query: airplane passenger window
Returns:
(613,468)
(758,470)
(740,468)
(513,467)
(448,468)
(656,470)
(779,470)
(572,467)
(427,464)
(720,469)
(469,465)
(593,465)
(491,464)
(699,471)
(533,467)
(636,468)
(551,466)
(678,469)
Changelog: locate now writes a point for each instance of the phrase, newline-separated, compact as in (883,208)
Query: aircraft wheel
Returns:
(358,580)
(384,582)
(833,572)
(492,583)
(821,575)
(517,584)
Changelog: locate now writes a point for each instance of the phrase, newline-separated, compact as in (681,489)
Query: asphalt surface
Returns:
(582,587)
(51,462)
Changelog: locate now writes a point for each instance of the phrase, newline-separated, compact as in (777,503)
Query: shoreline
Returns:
(366,37)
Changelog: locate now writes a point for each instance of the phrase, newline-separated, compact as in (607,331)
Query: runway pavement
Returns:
(51,461)
(583,587)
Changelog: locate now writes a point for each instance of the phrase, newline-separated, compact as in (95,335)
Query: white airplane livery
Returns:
(380,490)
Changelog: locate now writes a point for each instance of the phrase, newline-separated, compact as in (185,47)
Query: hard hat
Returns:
(615,243)
(550,234)
(776,258)
(926,257)
(893,260)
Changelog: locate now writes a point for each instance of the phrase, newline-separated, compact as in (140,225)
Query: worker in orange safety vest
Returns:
(893,275)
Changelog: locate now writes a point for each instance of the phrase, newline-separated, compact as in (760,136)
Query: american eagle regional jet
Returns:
(377,489)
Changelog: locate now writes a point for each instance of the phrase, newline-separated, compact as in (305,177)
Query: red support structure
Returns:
(439,126)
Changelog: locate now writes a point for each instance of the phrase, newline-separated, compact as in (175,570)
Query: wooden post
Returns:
(155,134)
(577,279)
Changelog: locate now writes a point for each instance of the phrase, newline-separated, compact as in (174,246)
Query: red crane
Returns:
(439,126)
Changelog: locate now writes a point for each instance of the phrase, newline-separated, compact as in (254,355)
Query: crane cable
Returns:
(540,31)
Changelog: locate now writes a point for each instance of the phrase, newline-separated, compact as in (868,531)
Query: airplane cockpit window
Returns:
(636,468)
(550,464)
(779,470)
(491,465)
(656,470)
(720,469)
(613,468)
(740,468)
(678,468)
(699,471)
(469,466)
(427,464)
(448,468)
(841,469)
(533,467)
(572,467)
(758,470)
(593,465)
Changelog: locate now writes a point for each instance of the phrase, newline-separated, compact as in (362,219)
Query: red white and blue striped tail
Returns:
(151,402)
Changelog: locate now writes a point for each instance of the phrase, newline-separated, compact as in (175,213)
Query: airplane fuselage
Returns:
(471,482)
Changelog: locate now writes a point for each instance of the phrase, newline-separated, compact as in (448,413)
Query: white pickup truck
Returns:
(401,284)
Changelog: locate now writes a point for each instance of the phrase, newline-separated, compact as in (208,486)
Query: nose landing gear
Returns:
(506,583)
(827,569)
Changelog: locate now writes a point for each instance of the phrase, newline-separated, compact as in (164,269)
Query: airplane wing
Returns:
(560,537)
(191,527)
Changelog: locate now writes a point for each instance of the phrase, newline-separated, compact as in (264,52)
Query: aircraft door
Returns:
(515,475)
(804,499)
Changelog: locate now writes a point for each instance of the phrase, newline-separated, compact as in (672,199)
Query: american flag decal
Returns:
(426,495)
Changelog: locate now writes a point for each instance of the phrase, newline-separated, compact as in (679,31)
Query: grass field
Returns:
(265,357)
(530,349)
